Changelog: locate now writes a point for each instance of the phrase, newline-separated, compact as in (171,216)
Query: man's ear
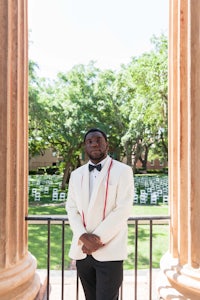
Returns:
(107,146)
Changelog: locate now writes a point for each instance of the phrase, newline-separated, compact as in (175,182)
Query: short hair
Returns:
(95,130)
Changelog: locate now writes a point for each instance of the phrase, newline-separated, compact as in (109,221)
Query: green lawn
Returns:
(52,209)
(160,246)
(37,241)
(59,209)
(153,210)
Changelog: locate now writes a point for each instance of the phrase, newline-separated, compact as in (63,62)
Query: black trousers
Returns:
(100,280)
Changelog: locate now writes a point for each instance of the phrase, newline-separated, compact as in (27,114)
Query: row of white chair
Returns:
(143,198)
(149,191)
(156,183)
(55,196)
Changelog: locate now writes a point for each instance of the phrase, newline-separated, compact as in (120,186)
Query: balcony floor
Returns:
(128,285)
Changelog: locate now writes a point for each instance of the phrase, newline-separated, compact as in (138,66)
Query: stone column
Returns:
(18,279)
(181,266)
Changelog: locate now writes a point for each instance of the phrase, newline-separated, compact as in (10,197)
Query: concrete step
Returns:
(70,285)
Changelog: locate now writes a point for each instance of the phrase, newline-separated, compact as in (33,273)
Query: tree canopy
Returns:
(130,105)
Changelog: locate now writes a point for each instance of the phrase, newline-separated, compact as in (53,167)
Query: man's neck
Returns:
(99,161)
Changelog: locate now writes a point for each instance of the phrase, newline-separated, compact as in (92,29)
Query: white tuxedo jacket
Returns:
(87,215)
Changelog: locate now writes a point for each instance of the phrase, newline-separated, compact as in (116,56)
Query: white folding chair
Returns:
(165,191)
(149,190)
(55,196)
(165,199)
(33,191)
(62,196)
(46,190)
(153,198)
(142,192)
(135,200)
(143,198)
(37,196)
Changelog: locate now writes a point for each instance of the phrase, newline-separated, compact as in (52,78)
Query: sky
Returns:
(64,33)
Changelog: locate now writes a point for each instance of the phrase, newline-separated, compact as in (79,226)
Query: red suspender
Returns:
(106,195)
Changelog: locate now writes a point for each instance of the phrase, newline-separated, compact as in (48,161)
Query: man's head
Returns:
(96,145)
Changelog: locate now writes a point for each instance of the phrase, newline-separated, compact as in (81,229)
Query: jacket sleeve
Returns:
(75,218)
(117,218)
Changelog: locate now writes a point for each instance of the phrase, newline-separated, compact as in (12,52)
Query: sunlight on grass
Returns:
(160,245)
(47,210)
(37,243)
(150,210)
(54,209)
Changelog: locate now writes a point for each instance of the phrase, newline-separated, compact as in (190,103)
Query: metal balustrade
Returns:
(136,221)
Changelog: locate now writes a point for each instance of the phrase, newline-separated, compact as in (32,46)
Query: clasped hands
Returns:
(91,243)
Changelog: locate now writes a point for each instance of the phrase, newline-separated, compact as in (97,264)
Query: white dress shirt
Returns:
(94,174)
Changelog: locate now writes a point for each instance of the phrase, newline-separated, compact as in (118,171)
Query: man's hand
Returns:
(91,243)
(86,251)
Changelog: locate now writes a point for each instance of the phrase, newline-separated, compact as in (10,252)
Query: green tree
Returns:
(36,142)
(130,105)
(145,91)
(80,99)
(69,109)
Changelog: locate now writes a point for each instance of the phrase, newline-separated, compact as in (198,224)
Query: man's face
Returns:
(96,146)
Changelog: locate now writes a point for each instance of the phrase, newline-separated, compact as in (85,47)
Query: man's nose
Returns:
(94,143)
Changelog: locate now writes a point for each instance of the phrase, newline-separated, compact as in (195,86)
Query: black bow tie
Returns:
(92,167)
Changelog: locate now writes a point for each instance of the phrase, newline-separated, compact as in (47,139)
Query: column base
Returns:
(176,281)
(20,282)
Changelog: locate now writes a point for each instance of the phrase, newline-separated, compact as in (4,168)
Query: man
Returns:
(99,203)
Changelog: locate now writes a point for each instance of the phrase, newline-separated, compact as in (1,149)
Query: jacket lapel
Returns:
(84,195)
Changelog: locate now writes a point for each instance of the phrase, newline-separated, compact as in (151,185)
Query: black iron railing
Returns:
(136,221)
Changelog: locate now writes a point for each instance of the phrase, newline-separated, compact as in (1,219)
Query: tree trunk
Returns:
(135,163)
(146,152)
(128,154)
(145,159)
(165,146)
(68,168)
(66,175)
